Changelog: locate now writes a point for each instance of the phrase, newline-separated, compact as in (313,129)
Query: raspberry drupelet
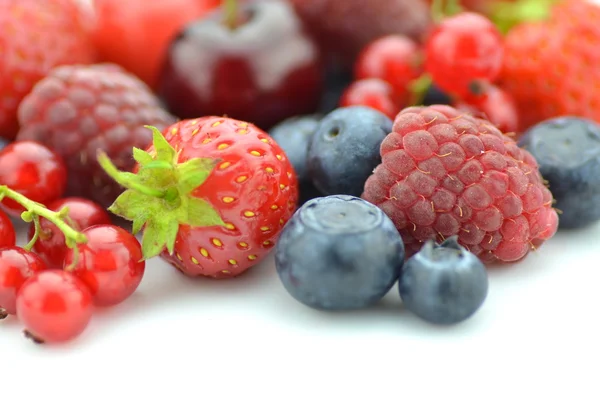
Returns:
(447,173)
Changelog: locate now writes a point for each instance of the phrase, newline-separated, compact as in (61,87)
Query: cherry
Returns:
(463,50)
(51,245)
(55,306)
(123,30)
(496,105)
(395,59)
(8,237)
(251,61)
(32,170)
(373,93)
(16,266)
(110,263)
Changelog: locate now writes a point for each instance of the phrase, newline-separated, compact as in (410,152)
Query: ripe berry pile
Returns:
(202,125)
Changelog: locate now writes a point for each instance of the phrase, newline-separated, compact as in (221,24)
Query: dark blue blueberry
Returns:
(435,96)
(339,253)
(567,150)
(3,143)
(294,136)
(345,149)
(337,79)
(443,284)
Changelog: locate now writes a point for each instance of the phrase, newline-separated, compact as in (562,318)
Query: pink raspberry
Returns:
(446,173)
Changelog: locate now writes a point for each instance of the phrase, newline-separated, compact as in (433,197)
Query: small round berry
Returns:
(16,266)
(461,50)
(55,306)
(495,105)
(396,59)
(83,213)
(374,93)
(32,170)
(110,264)
(443,284)
(8,237)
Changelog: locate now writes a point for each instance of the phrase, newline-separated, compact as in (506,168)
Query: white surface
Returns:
(538,332)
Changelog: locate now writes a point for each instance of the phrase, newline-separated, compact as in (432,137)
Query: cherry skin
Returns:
(55,306)
(8,237)
(496,105)
(395,59)
(263,71)
(33,170)
(124,29)
(462,50)
(16,266)
(110,264)
(373,93)
(51,245)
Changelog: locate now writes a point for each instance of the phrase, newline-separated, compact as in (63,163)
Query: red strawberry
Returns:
(446,173)
(551,67)
(77,110)
(212,195)
(35,36)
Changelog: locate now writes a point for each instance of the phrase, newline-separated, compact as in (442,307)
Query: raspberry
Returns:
(77,110)
(446,173)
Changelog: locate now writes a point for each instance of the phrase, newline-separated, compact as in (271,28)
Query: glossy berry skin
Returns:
(7,231)
(32,170)
(496,105)
(462,50)
(445,173)
(443,284)
(51,244)
(264,72)
(344,27)
(339,253)
(294,136)
(374,93)
(110,264)
(567,150)
(254,188)
(395,59)
(54,306)
(345,149)
(35,37)
(16,266)
(123,30)
(78,110)
(545,85)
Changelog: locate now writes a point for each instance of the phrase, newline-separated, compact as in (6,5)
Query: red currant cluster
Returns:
(75,258)
(462,56)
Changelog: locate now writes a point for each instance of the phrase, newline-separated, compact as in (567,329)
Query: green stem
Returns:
(441,9)
(418,89)
(122,179)
(231,13)
(36,233)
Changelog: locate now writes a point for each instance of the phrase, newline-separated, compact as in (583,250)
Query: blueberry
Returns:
(443,284)
(435,96)
(293,136)
(345,149)
(567,150)
(3,143)
(337,78)
(339,253)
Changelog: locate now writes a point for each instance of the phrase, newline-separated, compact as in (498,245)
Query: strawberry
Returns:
(211,195)
(35,36)
(551,67)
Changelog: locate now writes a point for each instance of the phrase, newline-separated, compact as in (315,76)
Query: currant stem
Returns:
(32,337)
(444,8)
(36,233)
(418,89)
(231,13)
(119,177)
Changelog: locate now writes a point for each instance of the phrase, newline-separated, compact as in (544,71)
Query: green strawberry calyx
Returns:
(159,198)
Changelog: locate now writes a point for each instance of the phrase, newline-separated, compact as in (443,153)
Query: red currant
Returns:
(16,266)
(33,170)
(395,59)
(110,263)
(55,306)
(496,105)
(373,93)
(83,213)
(461,50)
(8,237)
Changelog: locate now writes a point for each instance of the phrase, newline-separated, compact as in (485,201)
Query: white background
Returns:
(538,332)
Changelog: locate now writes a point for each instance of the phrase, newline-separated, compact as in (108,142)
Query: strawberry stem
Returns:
(33,212)
(125,179)
(232,17)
